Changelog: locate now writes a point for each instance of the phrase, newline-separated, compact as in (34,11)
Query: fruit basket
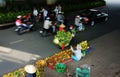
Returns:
(61,57)
(62,38)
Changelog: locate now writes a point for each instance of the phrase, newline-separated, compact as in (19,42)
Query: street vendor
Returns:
(62,27)
(77,54)
(30,71)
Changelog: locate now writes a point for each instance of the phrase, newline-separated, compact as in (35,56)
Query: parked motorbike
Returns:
(22,29)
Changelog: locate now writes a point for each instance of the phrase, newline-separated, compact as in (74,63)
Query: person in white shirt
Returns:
(77,54)
(35,14)
(45,13)
(56,11)
(47,24)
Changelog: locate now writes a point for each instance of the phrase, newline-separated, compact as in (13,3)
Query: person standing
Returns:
(45,13)
(56,11)
(60,17)
(59,8)
(35,14)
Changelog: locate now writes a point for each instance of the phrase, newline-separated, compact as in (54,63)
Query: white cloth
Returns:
(47,24)
(77,52)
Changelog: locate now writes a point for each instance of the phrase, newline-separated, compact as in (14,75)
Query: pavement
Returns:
(103,59)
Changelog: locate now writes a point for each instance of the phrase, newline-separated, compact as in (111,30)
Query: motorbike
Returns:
(52,30)
(22,29)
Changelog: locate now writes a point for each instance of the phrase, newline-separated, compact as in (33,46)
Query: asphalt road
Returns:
(32,44)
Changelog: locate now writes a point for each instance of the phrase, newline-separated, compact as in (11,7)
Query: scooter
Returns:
(43,33)
(22,29)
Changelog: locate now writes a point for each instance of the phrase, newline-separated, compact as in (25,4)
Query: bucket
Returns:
(60,67)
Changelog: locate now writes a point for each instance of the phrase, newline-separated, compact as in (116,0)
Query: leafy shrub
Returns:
(10,16)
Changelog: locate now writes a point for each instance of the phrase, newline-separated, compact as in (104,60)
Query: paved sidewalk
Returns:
(104,59)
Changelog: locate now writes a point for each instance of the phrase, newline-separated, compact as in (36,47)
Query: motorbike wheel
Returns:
(20,32)
(42,32)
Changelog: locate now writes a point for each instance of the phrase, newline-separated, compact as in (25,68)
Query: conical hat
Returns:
(30,69)
(62,25)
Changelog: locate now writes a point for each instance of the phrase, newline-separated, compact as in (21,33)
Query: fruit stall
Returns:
(62,39)
(61,57)
(53,62)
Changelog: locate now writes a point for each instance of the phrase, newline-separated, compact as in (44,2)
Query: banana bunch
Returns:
(84,45)
(18,73)
(40,63)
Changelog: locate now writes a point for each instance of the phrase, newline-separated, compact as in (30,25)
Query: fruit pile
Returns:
(84,45)
(18,73)
(40,63)
(62,37)
(60,57)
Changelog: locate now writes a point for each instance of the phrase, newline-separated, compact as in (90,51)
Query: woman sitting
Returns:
(76,49)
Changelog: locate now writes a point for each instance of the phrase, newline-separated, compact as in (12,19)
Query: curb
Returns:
(7,24)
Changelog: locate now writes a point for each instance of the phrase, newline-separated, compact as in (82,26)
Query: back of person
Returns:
(76,49)
(60,18)
(78,53)
(18,21)
(46,24)
(35,12)
(77,21)
(45,13)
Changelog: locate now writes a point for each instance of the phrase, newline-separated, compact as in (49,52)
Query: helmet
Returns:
(80,18)
(59,12)
(19,16)
(24,16)
(47,18)
(77,16)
